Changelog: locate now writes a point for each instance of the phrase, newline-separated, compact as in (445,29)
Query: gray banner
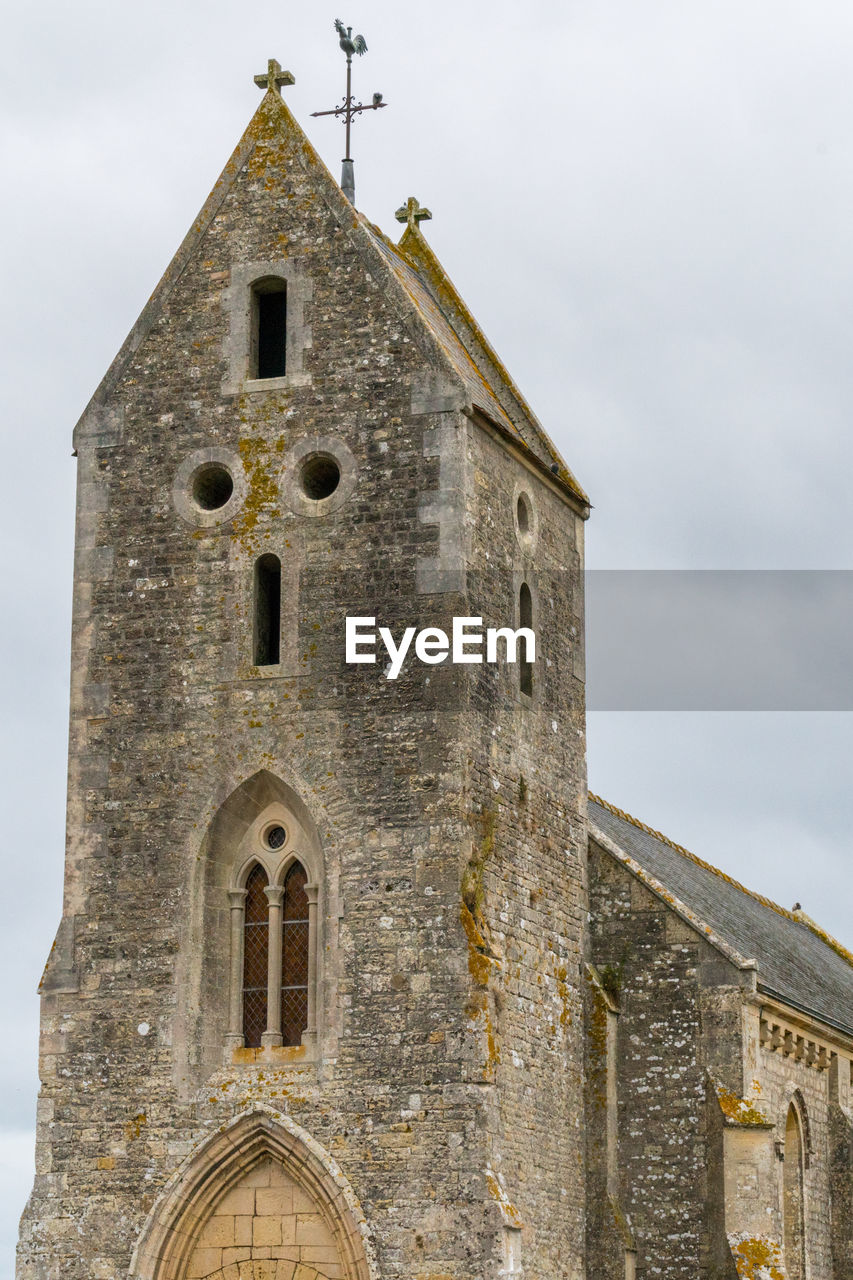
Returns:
(719,640)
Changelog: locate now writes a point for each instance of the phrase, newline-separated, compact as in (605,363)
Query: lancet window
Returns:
(256,945)
(273,955)
(294,956)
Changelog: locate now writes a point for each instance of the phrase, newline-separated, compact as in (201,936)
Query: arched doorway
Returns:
(259,1201)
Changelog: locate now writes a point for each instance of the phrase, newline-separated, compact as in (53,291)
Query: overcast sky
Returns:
(647,206)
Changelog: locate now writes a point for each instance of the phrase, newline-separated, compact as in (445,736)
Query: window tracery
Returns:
(274,946)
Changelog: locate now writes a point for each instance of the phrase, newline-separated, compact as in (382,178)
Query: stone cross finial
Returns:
(412,213)
(275,77)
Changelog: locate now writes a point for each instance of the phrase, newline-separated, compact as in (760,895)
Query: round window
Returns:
(275,836)
(319,476)
(212,486)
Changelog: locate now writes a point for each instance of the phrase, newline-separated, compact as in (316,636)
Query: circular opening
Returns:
(275,836)
(523,515)
(212,486)
(320,476)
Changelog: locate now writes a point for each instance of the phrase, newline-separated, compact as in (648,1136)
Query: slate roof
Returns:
(797,962)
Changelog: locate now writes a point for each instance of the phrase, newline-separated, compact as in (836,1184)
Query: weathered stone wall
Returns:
(524,903)
(610,1244)
(433,1084)
(651,960)
(778,1078)
(841,1166)
(707,1072)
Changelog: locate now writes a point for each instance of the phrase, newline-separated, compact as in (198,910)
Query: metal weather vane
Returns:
(349,108)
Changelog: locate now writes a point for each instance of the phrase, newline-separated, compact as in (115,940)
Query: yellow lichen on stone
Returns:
(758,1259)
(262,474)
(738,1110)
(511,1215)
(472,881)
(134,1127)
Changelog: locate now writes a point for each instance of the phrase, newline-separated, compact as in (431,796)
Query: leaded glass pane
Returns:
(294,956)
(256,931)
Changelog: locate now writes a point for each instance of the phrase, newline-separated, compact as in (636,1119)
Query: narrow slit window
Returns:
(294,956)
(267,622)
(256,931)
(269,317)
(525,619)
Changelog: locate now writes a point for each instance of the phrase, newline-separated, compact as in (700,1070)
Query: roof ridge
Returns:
(700,862)
(386,239)
(838,947)
(414,265)
(798,917)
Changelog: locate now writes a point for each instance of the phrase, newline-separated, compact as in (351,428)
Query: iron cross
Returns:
(275,78)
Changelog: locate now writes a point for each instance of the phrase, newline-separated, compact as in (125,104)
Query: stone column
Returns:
(234,1038)
(312,892)
(272,1035)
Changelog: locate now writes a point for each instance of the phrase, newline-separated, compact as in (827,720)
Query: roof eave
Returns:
(414,245)
(561,481)
(817,1022)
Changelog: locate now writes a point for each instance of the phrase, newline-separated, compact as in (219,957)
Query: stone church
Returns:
(353,979)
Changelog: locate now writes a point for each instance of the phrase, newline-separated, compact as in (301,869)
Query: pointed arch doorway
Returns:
(259,1201)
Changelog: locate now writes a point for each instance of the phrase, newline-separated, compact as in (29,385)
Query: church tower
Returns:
(313,1008)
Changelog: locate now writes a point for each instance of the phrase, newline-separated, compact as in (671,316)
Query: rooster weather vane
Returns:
(350,108)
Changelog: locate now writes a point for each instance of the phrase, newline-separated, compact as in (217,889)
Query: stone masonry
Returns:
(437,1091)
(718,1114)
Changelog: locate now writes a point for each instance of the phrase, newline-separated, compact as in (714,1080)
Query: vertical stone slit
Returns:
(267,620)
(525,619)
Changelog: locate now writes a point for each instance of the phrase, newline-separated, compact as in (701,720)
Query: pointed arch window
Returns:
(794,1197)
(294,956)
(274,952)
